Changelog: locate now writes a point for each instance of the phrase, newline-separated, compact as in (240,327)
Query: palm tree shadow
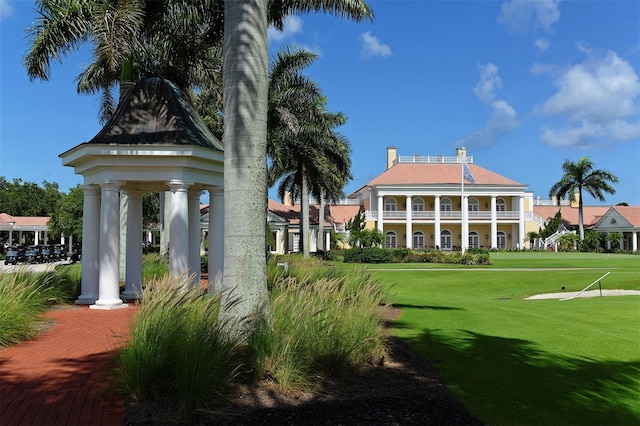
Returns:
(525,385)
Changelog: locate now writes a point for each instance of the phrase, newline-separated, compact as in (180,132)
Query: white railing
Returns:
(431,159)
(341,202)
(456,214)
(534,218)
(540,202)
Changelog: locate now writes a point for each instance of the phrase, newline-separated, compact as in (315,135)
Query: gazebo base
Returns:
(109,307)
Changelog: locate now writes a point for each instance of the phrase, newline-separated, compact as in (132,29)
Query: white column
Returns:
(216,239)
(124,217)
(90,245)
(634,240)
(494,223)
(179,229)
(465,224)
(194,236)
(109,285)
(133,264)
(11,237)
(437,231)
(409,227)
(380,211)
(520,222)
(36,239)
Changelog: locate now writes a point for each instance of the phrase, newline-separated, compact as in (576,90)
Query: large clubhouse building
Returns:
(422,202)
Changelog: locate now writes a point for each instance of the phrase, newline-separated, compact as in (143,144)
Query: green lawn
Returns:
(537,362)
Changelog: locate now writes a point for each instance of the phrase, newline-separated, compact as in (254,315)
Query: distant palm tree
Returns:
(582,176)
(306,155)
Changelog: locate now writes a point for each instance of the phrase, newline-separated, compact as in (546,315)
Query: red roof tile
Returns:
(433,173)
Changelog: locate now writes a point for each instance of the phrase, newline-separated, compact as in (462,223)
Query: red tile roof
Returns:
(591,214)
(434,173)
(6,219)
(339,214)
(630,213)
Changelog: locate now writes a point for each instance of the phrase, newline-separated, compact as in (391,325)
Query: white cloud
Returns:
(504,117)
(542,44)
(5,9)
(371,46)
(520,15)
(292,26)
(488,84)
(599,98)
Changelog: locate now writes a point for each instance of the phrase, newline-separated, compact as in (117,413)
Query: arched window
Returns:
(390,205)
(473,205)
(502,240)
(418,240)
(474,239)
(418,205)
(445,205)
(391,240)
(501,205)
(445,240)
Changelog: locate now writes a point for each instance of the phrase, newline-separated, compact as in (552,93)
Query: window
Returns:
(418,205)
(502,240)
(273,244)
(474,239)
(445,205)
(391,240)
(418,240)
(445,240)
(501,205)
(473,205)
(296,243)
(390,205)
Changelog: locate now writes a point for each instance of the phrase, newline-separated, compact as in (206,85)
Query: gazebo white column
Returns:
(194,235)
(634,240)
(179,229)
(90,245)
(409,227)
(109,285)
(216,239)
(133,265)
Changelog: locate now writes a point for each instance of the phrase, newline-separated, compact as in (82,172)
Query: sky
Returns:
(523,85)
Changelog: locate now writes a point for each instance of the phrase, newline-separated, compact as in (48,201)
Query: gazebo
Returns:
(154,142)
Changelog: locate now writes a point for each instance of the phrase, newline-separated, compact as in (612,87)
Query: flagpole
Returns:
(462,215)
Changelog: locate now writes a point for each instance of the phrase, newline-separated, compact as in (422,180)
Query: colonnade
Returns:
(464,220)
(100,286)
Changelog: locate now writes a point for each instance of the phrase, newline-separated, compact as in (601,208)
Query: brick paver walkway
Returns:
(60,377)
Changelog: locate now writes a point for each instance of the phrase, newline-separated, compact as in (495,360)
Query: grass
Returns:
(515,361)
(24,297)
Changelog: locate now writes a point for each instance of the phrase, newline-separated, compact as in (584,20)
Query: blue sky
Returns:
(524,85)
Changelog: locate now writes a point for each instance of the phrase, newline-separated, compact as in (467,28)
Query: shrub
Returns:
(23,299)
(331,326)
(176,351)
(376,255)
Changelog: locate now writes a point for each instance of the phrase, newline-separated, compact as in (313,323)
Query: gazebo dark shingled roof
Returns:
(155,111)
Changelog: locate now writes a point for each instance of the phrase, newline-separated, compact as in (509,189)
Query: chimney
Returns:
(461,152)
(575,199)
(391,156)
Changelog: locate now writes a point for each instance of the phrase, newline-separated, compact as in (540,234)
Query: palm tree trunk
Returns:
(321,221)
(580,216)
(304,214)
(245,85)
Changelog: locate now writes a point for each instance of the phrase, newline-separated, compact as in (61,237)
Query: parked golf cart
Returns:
(31,255)
(12,256)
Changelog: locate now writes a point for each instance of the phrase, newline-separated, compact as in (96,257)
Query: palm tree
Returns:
(132,39)
(582,176)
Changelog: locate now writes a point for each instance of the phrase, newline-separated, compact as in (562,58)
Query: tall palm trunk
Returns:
(304,213)
(321,221)
(245,85)
(580,215)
